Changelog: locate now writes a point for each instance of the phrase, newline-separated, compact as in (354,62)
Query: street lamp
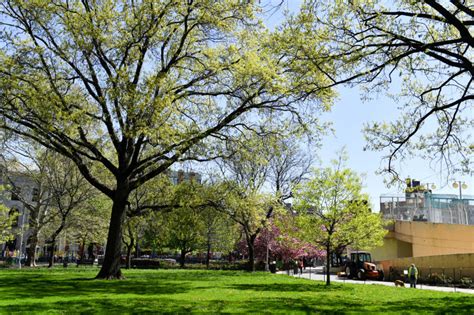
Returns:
(21,238)
(461,186)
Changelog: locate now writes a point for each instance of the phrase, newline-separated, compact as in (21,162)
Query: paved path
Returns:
(315,274)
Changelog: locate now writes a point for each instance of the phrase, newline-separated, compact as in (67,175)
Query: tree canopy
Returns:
(333,212)
(423,46)
(128,88)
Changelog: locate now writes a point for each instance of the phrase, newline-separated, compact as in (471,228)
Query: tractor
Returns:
(360,266)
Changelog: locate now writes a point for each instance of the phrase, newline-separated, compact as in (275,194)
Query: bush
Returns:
(154,263)
(437,279)
(465,282)
(279,265)
(7,263)
(145,263)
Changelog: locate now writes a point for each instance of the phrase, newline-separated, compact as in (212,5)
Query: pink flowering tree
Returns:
(281,246)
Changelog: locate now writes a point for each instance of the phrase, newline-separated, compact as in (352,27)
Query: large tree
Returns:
(333,212)
(130,87)
(425,47)
(255,165)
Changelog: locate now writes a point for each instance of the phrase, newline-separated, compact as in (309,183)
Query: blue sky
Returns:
(348,115)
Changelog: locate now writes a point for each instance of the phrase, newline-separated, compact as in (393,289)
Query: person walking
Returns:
(413,275)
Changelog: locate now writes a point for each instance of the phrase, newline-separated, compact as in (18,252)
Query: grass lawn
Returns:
(72,290)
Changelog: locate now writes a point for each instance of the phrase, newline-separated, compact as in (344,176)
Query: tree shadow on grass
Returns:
(187,291)
(290,287)
(42,283)
(285,305)
(187,275)
(454,305)
(26,286)
(166,305)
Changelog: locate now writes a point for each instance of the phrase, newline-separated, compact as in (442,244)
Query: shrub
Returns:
(437,279)
(465,282)
(145,263)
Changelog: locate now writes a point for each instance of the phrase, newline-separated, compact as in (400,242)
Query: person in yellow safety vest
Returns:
(413,275)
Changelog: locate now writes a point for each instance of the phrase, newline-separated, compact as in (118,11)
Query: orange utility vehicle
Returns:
(360,266)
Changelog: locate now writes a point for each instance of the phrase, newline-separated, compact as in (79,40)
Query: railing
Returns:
(446,277)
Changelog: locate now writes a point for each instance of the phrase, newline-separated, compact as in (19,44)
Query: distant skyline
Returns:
(348,116)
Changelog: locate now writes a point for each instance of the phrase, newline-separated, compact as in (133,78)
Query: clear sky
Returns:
(348,115)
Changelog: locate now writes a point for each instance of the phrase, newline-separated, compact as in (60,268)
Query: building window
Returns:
(16,191)
(180,177)
(35,195)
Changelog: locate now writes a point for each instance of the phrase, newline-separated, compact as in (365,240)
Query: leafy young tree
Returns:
(133,225)
(185,231)
(187,224)
(251,210)
(131,87)
(7,221)
(425,46)
(276,162)
(155,195)
(253,165)
(333,212)
(90,222)
(69,191)
(25,172)
(220,232)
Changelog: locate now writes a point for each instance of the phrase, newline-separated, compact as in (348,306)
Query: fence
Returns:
(459,277)
(429,207)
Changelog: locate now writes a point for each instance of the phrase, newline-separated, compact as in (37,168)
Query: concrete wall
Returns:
(429,239)
(456,265)
(418,239)
(392,249)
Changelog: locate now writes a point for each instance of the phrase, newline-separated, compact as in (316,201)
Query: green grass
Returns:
(182,291)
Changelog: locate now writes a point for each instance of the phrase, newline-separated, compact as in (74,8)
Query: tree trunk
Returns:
(182,258)
(251,248)
(208,254)
(328,265)
(129,253)
(53,241)
(137,247)
(31,249)
(51,253)
(82,250)
(111,265)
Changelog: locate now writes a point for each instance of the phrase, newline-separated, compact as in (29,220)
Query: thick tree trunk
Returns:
(328,265)
(82,250)
(251,249)
(31,249)
(111,265)
(208,254)
(182,258)
(51,253)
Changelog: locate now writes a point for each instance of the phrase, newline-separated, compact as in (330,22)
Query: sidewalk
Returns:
(315,274)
